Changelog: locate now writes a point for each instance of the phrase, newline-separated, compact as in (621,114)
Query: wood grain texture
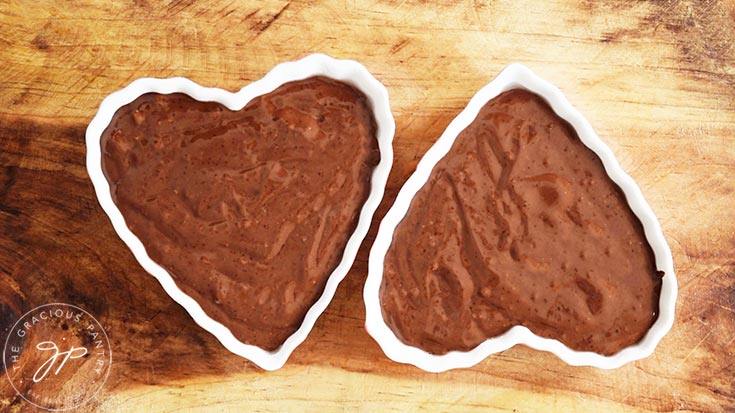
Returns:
(656,80)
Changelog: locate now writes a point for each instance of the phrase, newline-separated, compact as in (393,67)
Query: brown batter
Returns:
(519,224)
(249,211)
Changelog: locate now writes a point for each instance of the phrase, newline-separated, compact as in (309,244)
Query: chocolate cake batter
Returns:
(249,211)
(520,225)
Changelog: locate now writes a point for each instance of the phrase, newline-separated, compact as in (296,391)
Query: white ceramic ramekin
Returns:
(346,71)
(512,77)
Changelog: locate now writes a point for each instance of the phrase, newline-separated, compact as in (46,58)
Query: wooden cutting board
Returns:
(655,79)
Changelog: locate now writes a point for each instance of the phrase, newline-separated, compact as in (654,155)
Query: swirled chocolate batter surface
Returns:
(248,210)
(520,225)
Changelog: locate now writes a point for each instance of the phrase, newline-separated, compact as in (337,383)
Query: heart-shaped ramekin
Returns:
(347,71)
(512,77)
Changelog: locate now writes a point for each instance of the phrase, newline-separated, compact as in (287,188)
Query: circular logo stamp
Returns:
(57,356)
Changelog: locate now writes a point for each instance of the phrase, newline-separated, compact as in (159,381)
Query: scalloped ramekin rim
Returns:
(517,76)
(347,71)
